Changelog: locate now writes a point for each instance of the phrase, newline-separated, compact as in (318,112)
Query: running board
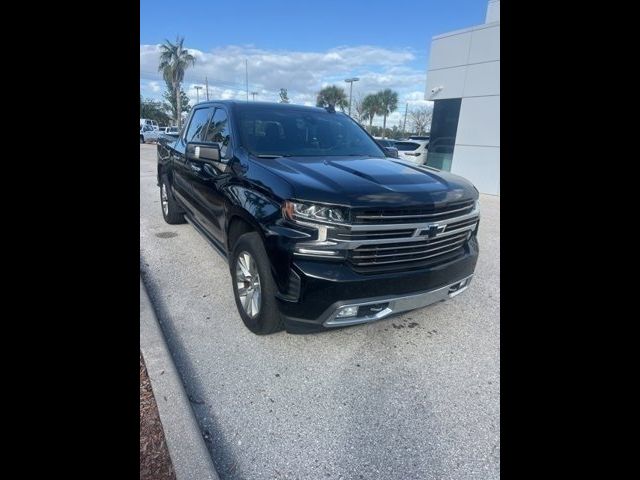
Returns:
(194,223)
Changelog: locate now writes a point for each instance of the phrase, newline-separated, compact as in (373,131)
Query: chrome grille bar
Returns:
(416,259)
(421,215)
(462,235)
(357,257)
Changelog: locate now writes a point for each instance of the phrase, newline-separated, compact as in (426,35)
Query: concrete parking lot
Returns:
(413,396)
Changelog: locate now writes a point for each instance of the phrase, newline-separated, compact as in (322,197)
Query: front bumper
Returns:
(326,287)
(389,305)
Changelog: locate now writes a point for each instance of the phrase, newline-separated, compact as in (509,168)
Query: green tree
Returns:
(396,133)
(284,98)
(332,96)
(171,105)
(388,103)
(174,60)
(370,108)
(154,110)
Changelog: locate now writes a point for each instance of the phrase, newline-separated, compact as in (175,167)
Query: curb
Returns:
(189,454)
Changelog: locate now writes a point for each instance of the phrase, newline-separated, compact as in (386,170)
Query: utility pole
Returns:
(254,95)
(246,77)
(198,88)
(404,125)
(206,80)
(350,82)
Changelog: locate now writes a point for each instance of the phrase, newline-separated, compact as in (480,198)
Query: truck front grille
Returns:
(422,252)
(413,214)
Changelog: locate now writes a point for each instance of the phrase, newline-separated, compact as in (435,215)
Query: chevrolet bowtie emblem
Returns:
(431,231)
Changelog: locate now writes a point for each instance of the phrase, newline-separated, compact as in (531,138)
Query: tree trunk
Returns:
(384,125)
(370,124)
(178,106)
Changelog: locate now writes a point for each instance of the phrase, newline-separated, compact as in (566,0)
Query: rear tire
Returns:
(172,214)
(253,285)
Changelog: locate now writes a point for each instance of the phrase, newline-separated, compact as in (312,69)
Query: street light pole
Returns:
(246,76)
(404,125)
(350,82)
(198,88)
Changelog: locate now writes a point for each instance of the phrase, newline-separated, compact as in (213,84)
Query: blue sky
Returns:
(301,45)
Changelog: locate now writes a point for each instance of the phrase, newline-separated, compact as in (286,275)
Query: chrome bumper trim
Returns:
(396,304)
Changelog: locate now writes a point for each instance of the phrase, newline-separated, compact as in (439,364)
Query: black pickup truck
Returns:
(319,228)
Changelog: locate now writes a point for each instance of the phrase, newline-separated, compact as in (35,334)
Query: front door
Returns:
(182,169)
(210,176)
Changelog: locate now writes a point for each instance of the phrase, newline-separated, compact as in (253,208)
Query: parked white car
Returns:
(169,131)
(148,133)
(147,121)
(413,150)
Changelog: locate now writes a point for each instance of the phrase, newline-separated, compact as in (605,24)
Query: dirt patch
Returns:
(155,462)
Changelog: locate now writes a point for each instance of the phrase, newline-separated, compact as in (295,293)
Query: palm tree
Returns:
(388,103)
(371,108)
(332,96)
(174,60)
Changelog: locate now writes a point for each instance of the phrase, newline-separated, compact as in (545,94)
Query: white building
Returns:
(463,80)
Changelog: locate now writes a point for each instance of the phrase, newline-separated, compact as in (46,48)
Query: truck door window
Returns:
(219,132)
(198,123)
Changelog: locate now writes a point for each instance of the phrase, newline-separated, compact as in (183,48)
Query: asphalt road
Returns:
(381,401)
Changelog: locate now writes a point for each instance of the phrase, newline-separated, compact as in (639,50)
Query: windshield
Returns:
(301,132)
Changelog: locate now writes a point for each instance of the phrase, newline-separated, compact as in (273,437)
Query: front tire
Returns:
(170,210)
(253,286)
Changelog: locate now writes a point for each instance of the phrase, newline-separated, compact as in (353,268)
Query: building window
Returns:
(443,133)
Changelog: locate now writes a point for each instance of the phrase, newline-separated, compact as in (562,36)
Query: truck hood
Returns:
(368,182)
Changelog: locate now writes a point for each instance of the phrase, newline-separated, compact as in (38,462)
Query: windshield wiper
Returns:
(272,156)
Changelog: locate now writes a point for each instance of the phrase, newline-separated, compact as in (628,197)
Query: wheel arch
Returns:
(238,223)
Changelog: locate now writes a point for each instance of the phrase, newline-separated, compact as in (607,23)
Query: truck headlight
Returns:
(314,213)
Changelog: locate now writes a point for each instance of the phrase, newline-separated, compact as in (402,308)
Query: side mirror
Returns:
(203,151)
(390,152)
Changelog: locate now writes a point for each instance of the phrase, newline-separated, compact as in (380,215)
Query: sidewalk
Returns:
(189,455)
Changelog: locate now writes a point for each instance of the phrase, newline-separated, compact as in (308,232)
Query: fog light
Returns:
(347,312)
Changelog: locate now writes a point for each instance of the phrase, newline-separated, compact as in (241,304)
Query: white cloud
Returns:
(301,73)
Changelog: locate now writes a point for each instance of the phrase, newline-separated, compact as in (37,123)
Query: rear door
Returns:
(182,171)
